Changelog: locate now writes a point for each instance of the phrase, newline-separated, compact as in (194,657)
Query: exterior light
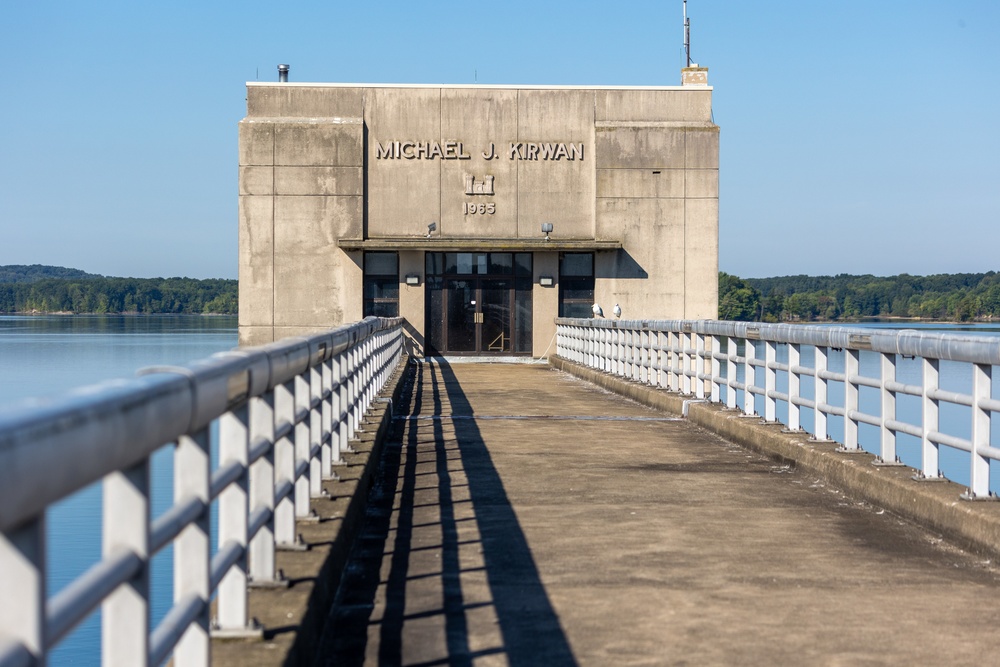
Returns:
(431,228)
(412,279)
(546,229)
(546,281)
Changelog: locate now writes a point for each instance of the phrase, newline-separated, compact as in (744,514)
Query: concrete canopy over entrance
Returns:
(332,173)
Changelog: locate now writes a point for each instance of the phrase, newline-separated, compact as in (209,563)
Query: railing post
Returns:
(592,359)
(928,448)
(821,392)
(613,351)
(699,364)
(302,446)
(343,412)
(234,437)
(687,344)
(352,390)
(770,381)
(852,367)
(262,489)
(654,357)
(887,452)
(284,465)
(316,470)
(979,473)
(125,525)
(794,386)
(22,579)
(716,369)
(601,348)
(367,373)
(632,354)
(663,358)
(749,376)
(192,547)
(647,356)
(732,347)
(628,353)
(672,383)
(327,433)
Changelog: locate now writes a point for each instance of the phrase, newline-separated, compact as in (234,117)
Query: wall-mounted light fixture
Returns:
(412,279)
(431,228)
(546,229)
(546,281)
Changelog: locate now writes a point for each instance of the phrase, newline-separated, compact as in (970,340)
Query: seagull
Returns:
(617,311)
(597,311)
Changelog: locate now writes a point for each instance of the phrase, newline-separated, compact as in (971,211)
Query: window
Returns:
(381,284)
(576,284)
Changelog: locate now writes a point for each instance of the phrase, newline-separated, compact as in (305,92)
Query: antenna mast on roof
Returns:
(687,34)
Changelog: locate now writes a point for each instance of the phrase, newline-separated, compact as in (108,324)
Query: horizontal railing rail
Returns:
(701,358)
(285,413)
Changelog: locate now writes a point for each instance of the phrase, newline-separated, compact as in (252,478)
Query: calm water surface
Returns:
(42,357)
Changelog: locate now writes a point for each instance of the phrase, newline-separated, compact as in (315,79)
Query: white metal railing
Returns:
(701,358)
(285,414)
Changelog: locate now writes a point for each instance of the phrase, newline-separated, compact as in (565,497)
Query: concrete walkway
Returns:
(524,517)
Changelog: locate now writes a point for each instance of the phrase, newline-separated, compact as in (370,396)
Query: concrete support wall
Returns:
(544,302)
(658,192)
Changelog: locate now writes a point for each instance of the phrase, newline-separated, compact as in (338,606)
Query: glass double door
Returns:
(478,315)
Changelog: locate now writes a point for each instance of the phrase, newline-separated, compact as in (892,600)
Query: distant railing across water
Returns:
(820,370)
(285,414)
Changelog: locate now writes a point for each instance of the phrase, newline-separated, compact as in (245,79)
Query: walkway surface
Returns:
(525,517)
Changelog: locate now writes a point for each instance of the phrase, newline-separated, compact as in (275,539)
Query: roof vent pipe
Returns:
(282,73)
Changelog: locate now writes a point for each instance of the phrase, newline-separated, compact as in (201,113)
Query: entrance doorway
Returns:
(478,303)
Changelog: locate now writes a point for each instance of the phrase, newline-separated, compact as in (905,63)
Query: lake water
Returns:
(43,356)
(954,419)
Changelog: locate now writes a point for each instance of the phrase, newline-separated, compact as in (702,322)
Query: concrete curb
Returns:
(294,617)
(934,505)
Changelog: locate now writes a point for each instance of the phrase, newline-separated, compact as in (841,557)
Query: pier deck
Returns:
(525,517)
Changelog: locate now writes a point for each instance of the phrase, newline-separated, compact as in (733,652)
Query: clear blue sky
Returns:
(857,137)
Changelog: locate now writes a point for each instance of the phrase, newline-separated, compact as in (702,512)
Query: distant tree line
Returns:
(28,289)
(25,273)
(958,297)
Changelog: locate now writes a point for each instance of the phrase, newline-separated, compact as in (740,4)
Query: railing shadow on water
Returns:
(528,623)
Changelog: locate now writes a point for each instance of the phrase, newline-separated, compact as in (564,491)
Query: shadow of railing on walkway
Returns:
(529,627)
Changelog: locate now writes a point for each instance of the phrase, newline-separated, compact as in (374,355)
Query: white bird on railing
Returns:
(617,311)
(597,311)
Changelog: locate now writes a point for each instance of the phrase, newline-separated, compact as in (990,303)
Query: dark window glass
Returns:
(576,310)
(522,264)
(522,315)
(381,264)
(381,284)
(434,263)
(463,263)
(576,264)
(501,263)
(578,289)
(576,284)
(435,308)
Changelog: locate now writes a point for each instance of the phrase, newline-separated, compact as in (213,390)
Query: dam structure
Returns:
(476,213)
(646,485)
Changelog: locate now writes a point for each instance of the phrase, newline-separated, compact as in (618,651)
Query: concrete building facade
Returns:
(477,213)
